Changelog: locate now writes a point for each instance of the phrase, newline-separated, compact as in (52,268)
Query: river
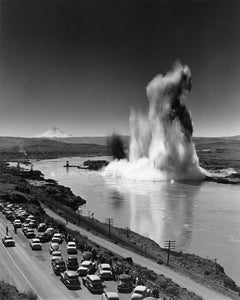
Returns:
(203,218)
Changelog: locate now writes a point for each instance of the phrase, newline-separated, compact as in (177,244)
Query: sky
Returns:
(81,65)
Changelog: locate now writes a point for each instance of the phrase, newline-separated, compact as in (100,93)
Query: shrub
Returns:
(163,283)
(172,290)
(31,295)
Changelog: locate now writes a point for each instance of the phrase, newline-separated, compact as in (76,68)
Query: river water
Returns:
(203,218)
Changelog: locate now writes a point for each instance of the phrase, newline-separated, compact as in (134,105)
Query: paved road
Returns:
(31,270)
(183,281)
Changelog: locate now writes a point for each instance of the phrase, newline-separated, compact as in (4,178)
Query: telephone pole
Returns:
(169,245)
(215,262)
(109,221)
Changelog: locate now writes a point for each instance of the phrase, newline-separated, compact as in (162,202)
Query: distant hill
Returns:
(40,148)
(99,140)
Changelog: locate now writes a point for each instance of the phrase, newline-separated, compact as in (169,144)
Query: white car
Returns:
(105,272)
(71,248)
(84,267)
(53,247)
(140,292)
(59,237)
(110,296)
(17,223)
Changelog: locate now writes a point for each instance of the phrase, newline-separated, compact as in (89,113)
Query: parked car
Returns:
(72,263)
(105,272)
(71,248)
(33,224)
(44,237)
(53,247)
(17,223)
(86,267)
(42,227)
(29,233)
(125,284)
(110,296)
(59,237)
(58,266)
(35,244)
(25,227)
(8,241)
(93,283)
(140,292)
(10,216)
(70,279)
(56,240)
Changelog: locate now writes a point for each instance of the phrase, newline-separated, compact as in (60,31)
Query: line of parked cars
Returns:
(69,272)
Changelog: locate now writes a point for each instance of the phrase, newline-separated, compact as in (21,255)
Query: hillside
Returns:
(40,148)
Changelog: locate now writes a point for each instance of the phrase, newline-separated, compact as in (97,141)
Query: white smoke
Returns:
(161,146)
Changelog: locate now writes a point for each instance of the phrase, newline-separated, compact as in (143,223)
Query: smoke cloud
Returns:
(115,143)
(161,146)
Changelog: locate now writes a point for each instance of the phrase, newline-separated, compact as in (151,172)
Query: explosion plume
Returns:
(161,146)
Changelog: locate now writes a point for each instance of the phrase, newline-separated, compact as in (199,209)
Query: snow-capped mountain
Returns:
(54,132)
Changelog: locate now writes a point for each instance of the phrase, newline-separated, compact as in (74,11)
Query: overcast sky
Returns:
(81,65)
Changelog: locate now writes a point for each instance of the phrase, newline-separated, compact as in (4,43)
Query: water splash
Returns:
(161,146)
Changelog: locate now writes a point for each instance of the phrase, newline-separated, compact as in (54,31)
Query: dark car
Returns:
(8,241)
(35,244)
(58,266)
(42,227)
(72,263)
(93,283)
(44,237)
(125,284)
(10,216)
(30,233)
(70,279)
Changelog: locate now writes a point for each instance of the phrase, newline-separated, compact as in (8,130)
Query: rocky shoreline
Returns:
(30,187)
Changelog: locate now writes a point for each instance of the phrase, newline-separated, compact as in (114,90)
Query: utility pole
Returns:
(215,262)
(109,221)
(169,245)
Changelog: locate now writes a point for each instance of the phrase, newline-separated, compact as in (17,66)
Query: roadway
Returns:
(183,281)
(31,270)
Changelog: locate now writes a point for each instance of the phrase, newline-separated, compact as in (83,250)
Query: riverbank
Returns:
(34,190)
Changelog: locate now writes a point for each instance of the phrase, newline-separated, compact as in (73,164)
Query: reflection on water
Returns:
(158,210)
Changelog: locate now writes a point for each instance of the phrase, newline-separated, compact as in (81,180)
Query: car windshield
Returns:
(86,263)
(60,263)
(140,291)
(73,278)
(72,260)
(97,282)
